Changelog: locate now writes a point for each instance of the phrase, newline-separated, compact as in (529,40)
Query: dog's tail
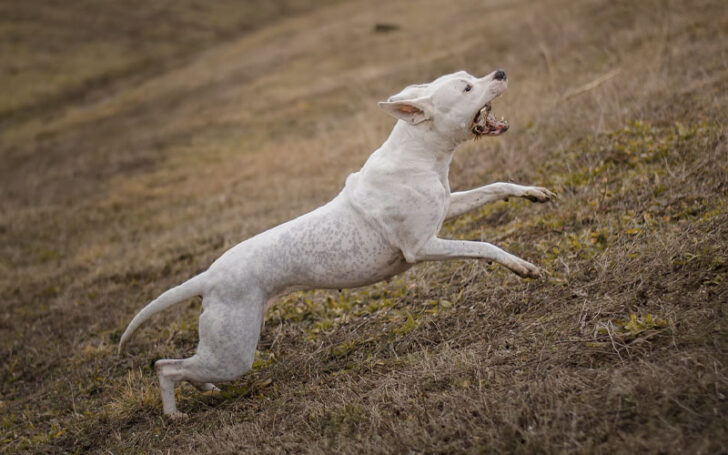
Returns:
(190,288)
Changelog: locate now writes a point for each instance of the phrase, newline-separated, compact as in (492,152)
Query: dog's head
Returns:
(455,106)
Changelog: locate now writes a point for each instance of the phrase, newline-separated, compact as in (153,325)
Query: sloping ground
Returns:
(620,107)
(58,55)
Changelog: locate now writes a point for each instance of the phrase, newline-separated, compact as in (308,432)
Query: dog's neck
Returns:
(418,141)
(418,147)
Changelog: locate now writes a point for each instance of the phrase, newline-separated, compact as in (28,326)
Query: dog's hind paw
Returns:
(213,389)
(205,387)
(177,416)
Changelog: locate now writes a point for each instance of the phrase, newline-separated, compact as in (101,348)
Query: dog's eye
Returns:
(468,88)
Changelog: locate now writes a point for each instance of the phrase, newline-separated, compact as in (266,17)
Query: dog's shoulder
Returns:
(407,211)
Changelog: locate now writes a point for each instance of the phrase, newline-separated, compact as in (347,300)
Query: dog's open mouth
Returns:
(485,123)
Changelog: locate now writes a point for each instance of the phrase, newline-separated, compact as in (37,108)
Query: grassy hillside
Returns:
(139,143)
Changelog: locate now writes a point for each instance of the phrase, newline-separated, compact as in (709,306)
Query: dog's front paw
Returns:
(538,194)
(525,269)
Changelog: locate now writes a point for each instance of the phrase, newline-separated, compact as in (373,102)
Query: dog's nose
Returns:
(499,75)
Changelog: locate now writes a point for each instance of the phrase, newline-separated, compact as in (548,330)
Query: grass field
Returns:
(139,141)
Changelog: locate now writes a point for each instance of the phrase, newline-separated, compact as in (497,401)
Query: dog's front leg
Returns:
(465,201)
(440,249)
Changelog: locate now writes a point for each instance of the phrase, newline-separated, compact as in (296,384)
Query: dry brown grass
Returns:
(113,191)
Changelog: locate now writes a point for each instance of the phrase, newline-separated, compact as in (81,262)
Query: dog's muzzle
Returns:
(485,123)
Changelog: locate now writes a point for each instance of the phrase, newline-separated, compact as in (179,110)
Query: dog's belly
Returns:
(331,247)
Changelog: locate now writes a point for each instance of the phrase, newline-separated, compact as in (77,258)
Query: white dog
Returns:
(385,220)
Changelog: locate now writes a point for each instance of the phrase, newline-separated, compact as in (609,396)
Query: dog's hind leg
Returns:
(229,334)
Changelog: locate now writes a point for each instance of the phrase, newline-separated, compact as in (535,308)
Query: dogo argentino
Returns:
(385,220)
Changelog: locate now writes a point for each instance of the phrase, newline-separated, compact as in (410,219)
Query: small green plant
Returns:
(636,325)
(633,327)
(409,325)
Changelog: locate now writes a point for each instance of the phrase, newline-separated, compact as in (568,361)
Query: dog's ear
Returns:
(412,111)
